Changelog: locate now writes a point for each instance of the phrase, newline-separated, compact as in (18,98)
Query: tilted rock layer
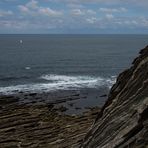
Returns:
(123,121)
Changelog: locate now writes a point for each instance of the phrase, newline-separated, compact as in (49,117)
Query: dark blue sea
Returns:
(45,63)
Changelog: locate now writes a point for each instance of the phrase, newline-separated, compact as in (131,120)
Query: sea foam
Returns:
(60,82)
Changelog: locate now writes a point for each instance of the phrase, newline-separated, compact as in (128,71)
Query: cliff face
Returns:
(123,121)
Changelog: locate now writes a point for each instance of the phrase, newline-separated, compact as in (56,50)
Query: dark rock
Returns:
(84,97)
(123,120)
(71,104)
(77,108)
(76,95)
(88,107)
(50,106)
(103,95)
(32,94)
(8,100)
(62,109)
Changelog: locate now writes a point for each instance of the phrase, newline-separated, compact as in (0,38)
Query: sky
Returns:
(74,16)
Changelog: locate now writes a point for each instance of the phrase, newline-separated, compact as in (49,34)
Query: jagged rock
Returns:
(123,120)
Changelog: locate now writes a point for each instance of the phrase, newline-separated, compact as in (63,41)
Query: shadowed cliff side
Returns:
(123,121)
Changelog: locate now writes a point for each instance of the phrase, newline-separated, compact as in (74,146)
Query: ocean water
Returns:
(44,63)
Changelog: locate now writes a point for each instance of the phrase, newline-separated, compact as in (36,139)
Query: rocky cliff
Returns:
(123,121)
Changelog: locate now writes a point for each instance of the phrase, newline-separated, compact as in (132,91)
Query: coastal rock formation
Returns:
(123,121)
(41,125)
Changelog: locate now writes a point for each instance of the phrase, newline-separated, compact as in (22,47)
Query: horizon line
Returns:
(73,33)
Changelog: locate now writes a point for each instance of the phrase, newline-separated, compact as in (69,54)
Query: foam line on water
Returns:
(60,82)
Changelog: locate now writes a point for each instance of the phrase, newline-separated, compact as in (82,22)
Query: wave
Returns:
(61,82)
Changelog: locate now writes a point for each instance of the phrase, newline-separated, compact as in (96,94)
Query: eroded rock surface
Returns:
(41,126)
(123,121)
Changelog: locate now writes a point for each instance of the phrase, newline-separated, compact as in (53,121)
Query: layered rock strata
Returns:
(123,121)
(41,126)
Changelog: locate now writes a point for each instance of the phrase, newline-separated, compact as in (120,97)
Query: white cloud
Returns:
(49,12)
(29,25)
(4,13)
(23,9)
(77,12)
(32,8)
(128,22)
(91,20)
(80,12)
(33,4)
(13,24)
(109,16)
(143,21)
(113,10)
(74,6)
(89,11)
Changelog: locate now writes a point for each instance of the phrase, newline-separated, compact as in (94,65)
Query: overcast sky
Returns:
(74,16)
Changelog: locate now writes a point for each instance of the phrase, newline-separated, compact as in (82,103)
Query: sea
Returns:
(49,63)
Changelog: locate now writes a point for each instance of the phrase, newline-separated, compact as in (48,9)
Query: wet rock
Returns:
(32,94)
(105,95)
(71,104)
(77,108)
(50,106)
(8,100)
(62,109)
(76,95)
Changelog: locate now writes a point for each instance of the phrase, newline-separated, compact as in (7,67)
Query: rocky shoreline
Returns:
(41,125)
(74,101)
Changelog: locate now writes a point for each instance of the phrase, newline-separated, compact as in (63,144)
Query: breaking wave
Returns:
(61,82)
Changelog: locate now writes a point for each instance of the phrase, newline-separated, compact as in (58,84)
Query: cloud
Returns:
(144,21)
(91,20)
(49,12)
(13,24)
(23,9)
(81,12)
(77,12)
(4,13)
(109,16)
(33,4)
(73,14)
(89,11)
(128,22)
(74,6)
(113,10)
(25,25)
(32,8)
